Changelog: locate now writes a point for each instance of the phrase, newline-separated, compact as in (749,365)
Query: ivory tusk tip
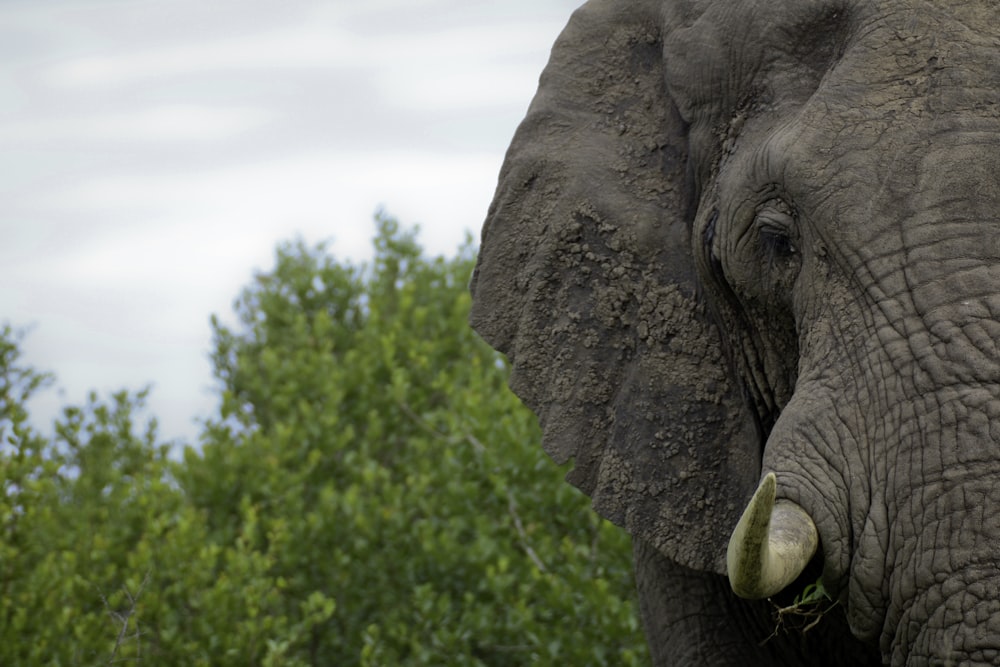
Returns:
(771,545)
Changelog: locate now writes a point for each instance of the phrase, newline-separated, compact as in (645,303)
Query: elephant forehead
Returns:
(733,54)
(756,56)
(839,102)
(885,138)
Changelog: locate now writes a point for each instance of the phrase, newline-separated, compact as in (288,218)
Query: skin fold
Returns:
(737,238)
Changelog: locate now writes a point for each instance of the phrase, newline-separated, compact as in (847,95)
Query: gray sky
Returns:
(152,153)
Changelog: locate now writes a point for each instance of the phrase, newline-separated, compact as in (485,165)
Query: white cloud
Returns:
(120,248)
(131,303)
(465,88)
(204,220)
(424,57)
(159,124)
(276,49)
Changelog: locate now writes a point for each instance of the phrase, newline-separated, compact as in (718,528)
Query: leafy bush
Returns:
(370,493)
(96,542)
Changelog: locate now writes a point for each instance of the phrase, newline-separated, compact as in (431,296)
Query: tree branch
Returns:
(519,527)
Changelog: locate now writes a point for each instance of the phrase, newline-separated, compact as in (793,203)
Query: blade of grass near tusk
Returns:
(771,545)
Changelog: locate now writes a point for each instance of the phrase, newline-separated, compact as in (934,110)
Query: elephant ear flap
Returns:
(586,281)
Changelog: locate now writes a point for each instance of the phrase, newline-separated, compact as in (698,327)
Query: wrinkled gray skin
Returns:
(741,236)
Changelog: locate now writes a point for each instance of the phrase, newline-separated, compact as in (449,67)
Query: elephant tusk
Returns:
(771,544)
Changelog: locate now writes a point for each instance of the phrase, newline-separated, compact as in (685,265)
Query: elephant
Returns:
(744,260)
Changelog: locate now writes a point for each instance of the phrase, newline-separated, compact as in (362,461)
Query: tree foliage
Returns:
(369,493)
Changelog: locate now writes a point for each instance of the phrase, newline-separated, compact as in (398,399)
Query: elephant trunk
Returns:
(771,545)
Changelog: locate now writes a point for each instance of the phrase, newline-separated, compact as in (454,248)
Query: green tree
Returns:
(370,493)
(93,532)
(369,450)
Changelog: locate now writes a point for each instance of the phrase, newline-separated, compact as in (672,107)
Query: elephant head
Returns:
(742,243)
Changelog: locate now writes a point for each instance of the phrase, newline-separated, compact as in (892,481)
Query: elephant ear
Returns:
(586,281)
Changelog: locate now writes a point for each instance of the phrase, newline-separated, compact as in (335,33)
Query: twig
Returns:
(813,611)
(472,440)
(512,507)
(593,542)
(118,617)
(422,423)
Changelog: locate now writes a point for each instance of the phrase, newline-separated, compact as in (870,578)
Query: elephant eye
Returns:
(775,230)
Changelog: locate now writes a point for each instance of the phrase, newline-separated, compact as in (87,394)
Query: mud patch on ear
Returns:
(586,277)
(662,474)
